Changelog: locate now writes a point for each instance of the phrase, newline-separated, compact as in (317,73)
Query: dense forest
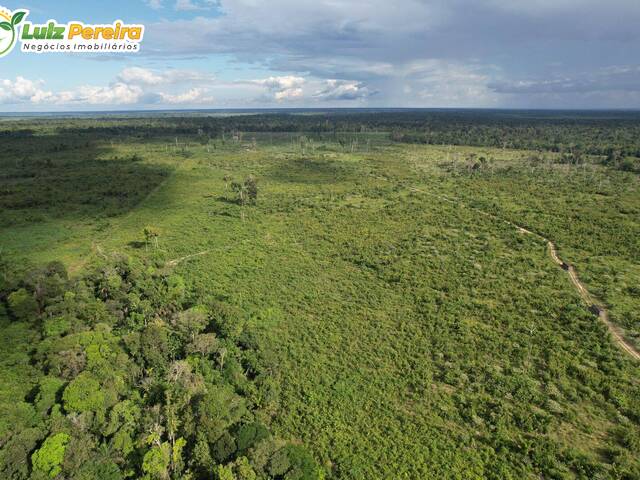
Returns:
(595,133)
(309,295)
(131,376)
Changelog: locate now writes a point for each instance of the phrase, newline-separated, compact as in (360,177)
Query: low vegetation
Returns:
(319,296)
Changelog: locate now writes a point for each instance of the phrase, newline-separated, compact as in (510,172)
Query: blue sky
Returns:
(338,53)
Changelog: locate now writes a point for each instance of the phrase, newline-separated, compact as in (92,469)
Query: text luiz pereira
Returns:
(76,37)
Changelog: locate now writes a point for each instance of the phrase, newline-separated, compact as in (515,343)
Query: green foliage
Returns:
(249,435)
(177,455)
(246,192)
(151,235)
(174,415)
(23,305)
(251,187)
(370,308)
(294,462)
(218,410)
(56,326)
(103,470)
(175,289)
(243,469)
(156,462)
(48,390)
(191,322)
(48,458)
(15,455)
(224,447)
(225,473)
(84,394)
(228,320)
(156,346)
(201,458)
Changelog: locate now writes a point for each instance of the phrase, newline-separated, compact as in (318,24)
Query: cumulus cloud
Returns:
(117,93)
(373,42)
(140,75)
(132,86)
(194,96)
(406,53)
(23,90)
(441,83)
(144,76)
(287,87)
(343,90)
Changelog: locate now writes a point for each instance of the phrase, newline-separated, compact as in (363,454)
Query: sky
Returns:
(337,53)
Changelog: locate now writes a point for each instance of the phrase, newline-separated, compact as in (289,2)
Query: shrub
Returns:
(48,458)
(23,305)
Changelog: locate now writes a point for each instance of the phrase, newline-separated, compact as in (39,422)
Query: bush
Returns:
(84,394)
(23,305)
(48,458)
(56,326)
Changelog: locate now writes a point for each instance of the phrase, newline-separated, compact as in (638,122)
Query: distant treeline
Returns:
(594,133)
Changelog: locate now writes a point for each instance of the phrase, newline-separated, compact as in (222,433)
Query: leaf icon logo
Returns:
(8,25)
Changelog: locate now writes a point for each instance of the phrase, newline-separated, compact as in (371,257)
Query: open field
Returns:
(410,334)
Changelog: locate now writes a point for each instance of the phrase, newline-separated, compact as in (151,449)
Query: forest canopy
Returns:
(127,375)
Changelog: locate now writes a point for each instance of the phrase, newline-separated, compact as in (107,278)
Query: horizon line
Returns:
(319,109)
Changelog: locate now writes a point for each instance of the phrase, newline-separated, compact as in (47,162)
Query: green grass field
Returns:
(414,337)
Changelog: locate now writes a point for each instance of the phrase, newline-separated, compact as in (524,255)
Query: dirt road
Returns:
(173,263)
(596,308)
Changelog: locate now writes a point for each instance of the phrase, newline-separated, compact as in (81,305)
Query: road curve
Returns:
(594,307)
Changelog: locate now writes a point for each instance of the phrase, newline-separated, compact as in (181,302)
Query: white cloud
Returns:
(23,90)
(439,83)
(281,83)
(193,96)
(343,90)
(288,94)
(155,4)
(425,83)
(144,76)
(282,88)
(373,42)
(115,94)
(140,75)
(132,86)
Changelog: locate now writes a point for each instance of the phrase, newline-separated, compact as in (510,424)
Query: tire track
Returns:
(176,261)
(594,306)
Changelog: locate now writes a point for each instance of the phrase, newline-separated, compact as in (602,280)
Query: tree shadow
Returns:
(69,175)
